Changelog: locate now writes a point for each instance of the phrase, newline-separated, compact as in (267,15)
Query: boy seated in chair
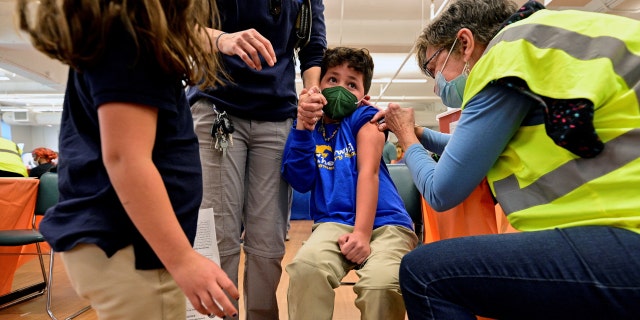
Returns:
(359,219)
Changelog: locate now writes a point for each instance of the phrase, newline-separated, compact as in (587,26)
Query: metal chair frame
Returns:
(47,197)
(22,237)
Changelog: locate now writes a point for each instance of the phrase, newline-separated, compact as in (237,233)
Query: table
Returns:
(17,203)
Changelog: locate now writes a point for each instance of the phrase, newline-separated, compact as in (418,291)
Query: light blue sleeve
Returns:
(434,141)
(485,127)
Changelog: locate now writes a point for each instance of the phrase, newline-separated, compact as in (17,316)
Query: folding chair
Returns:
(22,237)
(410,195)
(47,197)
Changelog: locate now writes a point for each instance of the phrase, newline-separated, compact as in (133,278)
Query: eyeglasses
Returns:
(426,63)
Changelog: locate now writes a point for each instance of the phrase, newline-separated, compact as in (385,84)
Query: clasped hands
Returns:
(310,104)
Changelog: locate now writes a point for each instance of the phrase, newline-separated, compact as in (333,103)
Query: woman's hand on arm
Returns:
(401,121)
(127,133)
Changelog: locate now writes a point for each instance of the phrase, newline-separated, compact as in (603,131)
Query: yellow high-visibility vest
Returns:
(569,55)
(11,157)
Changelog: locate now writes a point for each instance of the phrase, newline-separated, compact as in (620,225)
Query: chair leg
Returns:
(49,289)
(50,285)
(28,292)
(21,295)
(44,273)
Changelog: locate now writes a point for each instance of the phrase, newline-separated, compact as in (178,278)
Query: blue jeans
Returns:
(573,273)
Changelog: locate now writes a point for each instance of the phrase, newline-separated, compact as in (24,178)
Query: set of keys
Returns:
(221,132)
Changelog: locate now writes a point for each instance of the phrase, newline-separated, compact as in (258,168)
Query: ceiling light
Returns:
(386,80)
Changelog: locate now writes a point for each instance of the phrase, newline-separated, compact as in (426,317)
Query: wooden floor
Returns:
(65,301)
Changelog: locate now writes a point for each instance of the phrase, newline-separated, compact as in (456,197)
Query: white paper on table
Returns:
(207,245)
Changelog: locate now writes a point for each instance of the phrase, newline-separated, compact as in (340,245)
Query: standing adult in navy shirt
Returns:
(242,184)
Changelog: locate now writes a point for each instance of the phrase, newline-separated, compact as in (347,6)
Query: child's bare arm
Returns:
(127,133)
(355,246)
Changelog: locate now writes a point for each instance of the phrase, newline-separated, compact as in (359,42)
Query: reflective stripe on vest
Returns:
(555,184)
(581,47)
(10,151)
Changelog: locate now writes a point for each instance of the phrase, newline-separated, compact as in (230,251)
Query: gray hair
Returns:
(482,17)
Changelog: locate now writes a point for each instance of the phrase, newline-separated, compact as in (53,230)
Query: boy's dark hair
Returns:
(358,59)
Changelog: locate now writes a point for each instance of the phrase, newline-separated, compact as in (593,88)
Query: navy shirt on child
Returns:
(89,210)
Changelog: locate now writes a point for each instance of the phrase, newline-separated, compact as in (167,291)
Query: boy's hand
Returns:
(355,247)
(310,106)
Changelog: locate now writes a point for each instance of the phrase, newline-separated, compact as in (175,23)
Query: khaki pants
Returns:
(319,266)
(117,290)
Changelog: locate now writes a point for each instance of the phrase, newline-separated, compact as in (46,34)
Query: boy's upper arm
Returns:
(370,143)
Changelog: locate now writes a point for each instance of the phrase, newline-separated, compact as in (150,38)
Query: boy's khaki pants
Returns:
(319,266)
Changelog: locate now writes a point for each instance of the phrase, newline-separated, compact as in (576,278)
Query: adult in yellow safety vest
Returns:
(11,164)
(551,117)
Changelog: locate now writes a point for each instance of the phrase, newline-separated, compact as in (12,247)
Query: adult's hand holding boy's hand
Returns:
(310,106)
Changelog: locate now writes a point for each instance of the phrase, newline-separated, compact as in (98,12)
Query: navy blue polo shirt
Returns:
(269,94)
(89,210)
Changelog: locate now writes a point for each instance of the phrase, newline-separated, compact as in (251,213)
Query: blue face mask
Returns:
(451,92)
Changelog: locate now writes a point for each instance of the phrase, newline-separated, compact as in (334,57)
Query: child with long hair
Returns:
(129,175)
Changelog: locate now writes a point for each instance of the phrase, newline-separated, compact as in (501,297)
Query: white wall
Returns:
(34,136)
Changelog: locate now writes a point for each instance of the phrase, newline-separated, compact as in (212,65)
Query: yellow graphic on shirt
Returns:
(326,157)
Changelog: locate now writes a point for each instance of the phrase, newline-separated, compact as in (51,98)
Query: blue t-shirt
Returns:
(330,171)
(89,210)
(268,94)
